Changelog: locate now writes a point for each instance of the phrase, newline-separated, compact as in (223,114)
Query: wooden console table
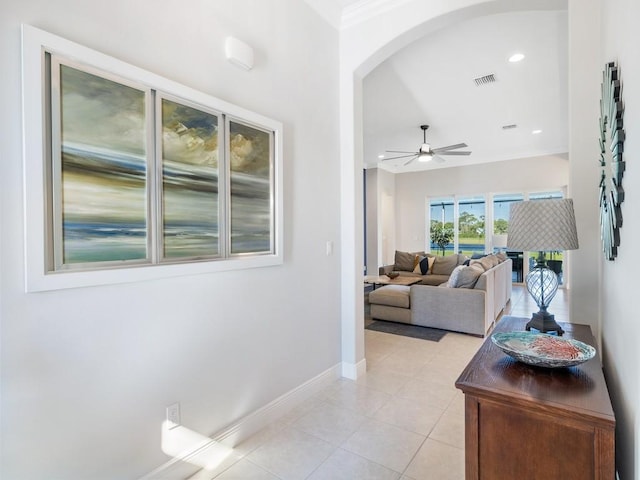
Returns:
(527,423)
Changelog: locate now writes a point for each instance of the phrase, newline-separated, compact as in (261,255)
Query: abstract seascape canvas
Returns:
(251,189)
(190,181)
(102,199)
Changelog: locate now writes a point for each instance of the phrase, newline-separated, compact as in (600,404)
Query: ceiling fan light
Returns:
(425,157)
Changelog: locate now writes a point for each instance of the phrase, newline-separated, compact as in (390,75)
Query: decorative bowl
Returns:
(392,275)
(543,350)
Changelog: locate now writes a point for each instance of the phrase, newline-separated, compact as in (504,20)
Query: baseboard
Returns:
(353,371)
(245,427)
(252,423)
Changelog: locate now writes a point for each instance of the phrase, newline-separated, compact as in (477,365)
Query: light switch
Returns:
(329,248)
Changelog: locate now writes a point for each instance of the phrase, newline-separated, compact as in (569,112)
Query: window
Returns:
(458,224)
(471,225)
(143,178)
(441,227)
(501,211)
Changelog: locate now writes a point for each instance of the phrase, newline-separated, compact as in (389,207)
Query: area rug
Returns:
(414,331)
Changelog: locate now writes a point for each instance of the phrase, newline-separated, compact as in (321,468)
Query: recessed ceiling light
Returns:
(381,156)
(516,57)
(536,132)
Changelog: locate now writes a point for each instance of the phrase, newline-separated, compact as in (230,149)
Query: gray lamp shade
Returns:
(542,225)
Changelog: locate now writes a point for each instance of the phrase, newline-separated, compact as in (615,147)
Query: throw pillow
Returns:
(424,265)
(430,260)
(416,264)
(453,278)
(468,276)
(444,265)
(477,262)
(404,261)
(501,256)
(487,263)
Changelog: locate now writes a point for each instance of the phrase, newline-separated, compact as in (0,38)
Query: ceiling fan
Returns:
(425,153)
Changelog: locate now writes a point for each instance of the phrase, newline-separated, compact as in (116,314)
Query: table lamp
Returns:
(542,226)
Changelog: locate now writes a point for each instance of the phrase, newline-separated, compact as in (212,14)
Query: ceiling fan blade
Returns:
(453,153)
(399,151)
(401,156)
(438,159)
(449,147)
(407,163)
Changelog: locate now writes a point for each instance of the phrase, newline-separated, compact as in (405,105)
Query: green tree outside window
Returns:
(442,237)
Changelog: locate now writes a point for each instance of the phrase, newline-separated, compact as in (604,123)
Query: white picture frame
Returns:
(36,135)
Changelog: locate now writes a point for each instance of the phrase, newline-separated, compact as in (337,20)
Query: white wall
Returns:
(87,373)
(380,215)
(620,322)
(512,176)
(372,218)
(584,90)
(387,230)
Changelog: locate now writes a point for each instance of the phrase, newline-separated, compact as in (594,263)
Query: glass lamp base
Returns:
(542,284)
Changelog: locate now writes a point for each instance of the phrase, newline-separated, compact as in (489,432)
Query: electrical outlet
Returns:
(173,415)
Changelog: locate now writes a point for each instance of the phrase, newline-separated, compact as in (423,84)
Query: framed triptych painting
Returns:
(130,176)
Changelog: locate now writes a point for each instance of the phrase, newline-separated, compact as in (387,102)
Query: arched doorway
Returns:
(363,47)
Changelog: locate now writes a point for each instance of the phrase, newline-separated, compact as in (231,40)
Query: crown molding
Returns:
(364,10)
(342,16)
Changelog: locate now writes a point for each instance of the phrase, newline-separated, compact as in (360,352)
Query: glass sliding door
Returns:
(471,225)
(459,225)
(501,211)
(441,226)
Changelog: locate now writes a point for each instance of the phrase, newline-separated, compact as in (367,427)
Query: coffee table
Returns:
(384,280)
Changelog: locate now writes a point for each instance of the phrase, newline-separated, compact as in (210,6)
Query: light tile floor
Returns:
(404,420)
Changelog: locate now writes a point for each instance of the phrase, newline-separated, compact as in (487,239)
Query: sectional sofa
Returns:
(431,269)
(468,301)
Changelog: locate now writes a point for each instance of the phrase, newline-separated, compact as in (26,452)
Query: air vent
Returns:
(487,79)
(509,127)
